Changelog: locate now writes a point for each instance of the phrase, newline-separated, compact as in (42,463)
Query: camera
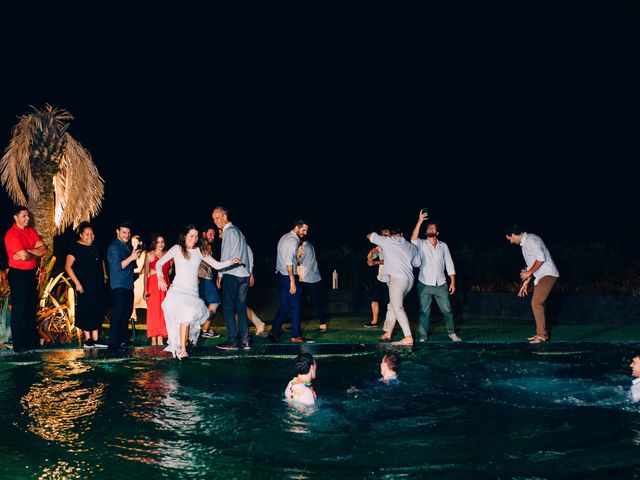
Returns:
(424,210)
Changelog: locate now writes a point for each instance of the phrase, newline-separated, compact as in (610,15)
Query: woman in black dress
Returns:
(85,267)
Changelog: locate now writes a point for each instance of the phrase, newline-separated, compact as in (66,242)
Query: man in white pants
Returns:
(399,259)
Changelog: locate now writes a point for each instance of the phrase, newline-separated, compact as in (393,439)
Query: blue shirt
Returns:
(120,277)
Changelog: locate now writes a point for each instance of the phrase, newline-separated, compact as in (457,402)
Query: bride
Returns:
(183,309)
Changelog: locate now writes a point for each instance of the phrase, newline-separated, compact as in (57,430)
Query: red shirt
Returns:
(17,239)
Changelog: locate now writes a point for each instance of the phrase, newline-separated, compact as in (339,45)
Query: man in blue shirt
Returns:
(122,261)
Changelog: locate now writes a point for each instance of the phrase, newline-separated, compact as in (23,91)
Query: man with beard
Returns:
(288,285)
(432,282)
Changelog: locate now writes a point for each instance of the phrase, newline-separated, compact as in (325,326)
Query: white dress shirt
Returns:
(399,256)
(433,262)
(533,248)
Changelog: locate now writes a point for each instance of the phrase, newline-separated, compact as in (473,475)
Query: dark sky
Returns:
(353,120)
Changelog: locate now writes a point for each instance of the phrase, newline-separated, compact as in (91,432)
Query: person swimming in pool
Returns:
(299,391)
(389,368)
(634,392)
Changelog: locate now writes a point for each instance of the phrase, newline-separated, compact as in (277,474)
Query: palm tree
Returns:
(62,186)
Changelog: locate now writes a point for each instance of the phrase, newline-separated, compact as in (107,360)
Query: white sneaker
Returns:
(454,336)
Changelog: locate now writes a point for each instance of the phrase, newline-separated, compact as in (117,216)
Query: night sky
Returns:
(353,120)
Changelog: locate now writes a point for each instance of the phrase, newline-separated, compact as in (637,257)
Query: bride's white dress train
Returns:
(183,305)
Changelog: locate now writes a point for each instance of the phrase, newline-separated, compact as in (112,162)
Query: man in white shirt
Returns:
(399,259)
(634,393)
(541,268)
(435,258)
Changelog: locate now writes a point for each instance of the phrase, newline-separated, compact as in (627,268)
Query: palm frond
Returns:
(15,165)
(78,178)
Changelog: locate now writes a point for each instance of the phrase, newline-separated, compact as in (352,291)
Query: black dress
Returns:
(90,305)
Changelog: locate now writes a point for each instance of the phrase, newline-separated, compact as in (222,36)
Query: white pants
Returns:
(398,289)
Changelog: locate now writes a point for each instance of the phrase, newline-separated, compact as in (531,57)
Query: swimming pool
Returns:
(461,411)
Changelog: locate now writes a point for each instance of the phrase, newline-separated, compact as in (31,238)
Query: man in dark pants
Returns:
(122,261)
(23,245)
(234,282)
(288,284)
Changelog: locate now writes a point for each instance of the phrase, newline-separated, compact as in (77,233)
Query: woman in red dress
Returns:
(156,327)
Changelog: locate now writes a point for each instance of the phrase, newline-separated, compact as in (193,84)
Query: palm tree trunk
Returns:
(43,212)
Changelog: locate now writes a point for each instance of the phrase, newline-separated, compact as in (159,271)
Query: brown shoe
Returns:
(385,338)
(301,340)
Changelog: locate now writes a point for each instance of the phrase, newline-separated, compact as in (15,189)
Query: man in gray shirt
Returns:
(287,283)
(235,282)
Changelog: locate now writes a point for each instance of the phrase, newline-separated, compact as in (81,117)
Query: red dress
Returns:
(155,316)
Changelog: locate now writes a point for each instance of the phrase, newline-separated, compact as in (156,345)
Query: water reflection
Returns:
(157,398)
(60,407)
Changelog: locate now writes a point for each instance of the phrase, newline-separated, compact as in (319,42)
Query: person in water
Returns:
(300,391)
(389,368)
(634,393)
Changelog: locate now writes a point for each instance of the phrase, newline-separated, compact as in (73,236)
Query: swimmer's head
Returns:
(635,366)
(390,364)
(305,364)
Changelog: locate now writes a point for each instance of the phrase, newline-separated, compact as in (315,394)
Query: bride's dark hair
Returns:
(182,241)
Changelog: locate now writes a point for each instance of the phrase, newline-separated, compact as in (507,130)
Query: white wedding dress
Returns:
(183,305)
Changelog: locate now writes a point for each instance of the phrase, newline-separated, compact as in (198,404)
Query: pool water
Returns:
(460,411)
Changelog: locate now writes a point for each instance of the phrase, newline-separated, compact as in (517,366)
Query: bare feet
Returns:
(406,341)
(385,338)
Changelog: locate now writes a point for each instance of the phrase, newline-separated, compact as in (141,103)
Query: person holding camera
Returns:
(435,259)
(121,258)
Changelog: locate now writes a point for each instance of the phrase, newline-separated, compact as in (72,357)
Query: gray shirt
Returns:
(287,247)
(308,268)
(234,245)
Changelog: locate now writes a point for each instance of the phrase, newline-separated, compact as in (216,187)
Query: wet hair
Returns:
(82,227)
(154,241)
(182,241)
(393,361)
(18,208)
(513,229)
(303,362)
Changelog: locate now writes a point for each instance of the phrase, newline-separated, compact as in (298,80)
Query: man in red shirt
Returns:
(23,245)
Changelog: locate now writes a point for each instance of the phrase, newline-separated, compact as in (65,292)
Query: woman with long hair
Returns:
(184,310)
(156,326)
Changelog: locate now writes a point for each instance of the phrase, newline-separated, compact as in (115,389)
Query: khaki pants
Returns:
(540,293)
